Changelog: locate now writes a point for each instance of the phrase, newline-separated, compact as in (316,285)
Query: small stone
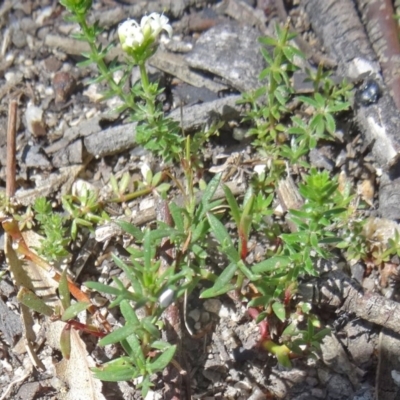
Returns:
(146,204)
(52,64)
(312,381)
(212,375)
(224,312)
(318,393)
(34,121)
(195,314)
(64,85)
(235,375)
(18,38)
(257,395)
(213,305)
(205,317)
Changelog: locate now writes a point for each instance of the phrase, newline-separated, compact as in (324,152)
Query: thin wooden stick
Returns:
(11,148)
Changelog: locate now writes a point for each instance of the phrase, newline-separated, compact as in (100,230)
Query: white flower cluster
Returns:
(132,35)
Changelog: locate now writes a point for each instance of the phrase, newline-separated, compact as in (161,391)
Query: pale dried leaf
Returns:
(75,372)
(366,189)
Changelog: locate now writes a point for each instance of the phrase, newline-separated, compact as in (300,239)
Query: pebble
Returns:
(257,395)
(195,314)
(318,393)
(312,381)
(34,121)
(224,312)
(205,317)
(212,305)
(64,85)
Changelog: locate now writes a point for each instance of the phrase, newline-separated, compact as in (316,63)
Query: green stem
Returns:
(101,65)
(149,97)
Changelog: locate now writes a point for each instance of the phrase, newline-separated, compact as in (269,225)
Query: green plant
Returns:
(85,210)
(276,138)
(151,183)
(269,129)
(53,227)
(139,41)
(167,262)
(153,287)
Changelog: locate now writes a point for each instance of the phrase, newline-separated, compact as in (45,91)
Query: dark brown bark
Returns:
(383,33)
(339,291)
(337,24)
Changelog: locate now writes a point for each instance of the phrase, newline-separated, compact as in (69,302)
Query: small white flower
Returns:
(132,35)
(157,23)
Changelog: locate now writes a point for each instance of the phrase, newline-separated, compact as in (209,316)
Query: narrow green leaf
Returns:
(279,310)
(73,310)
(101,287)
(118,335)
(314,240)
(136,352)
(63,290)
(271,264)
(150,327)
(163,360)
(330,123)
(235,211)
(34,302)
(222,284)
(65,342)
(223,237)
(131,229)
(160,345)
(131,274)
(129,313)
(117,370)
(210,191)
(176,214)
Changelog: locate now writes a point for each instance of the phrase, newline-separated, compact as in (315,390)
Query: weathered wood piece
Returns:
(241,11)
(176,65)
(388,364)
(59,182)
(338,25)
(231,52)
(383,32)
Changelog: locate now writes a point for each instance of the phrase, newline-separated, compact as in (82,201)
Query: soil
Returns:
(65,135)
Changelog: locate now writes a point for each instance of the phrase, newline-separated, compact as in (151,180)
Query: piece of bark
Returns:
(241,11)
(58,183)
(383,33)
(338,25)
(388,363)
(176,65)
(84,128)
(337,290)
(231,52)
(33,157)
(389,197)
(71,155)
